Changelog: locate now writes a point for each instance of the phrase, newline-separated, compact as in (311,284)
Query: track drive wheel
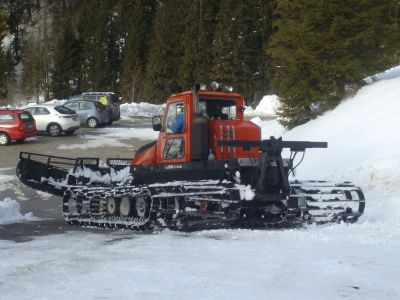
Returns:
(126,206)
(141,207)
(112,206)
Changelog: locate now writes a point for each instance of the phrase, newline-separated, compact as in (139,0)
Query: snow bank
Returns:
(269,128)
(361,131)
(10,212)
(142,109)
(267,107)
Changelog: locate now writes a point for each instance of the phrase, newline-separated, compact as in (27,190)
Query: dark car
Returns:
(16,124)
(92,114)
(109,100)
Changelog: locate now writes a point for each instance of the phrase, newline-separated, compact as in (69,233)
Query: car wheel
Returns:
(92,123)
(54,129)
(4,139)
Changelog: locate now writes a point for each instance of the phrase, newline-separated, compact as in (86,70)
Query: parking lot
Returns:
(117,140)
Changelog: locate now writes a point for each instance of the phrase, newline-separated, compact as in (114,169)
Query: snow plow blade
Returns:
(53,174)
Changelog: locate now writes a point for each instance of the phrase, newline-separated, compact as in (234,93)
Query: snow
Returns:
(142,109)
(122,175)
(267,107)
(269,128)
(10,212)
(355,261)
(113,137)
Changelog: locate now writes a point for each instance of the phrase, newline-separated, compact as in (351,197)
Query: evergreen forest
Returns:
(311,53)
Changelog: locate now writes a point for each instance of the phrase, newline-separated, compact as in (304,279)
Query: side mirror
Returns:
(242,109)
(156,120)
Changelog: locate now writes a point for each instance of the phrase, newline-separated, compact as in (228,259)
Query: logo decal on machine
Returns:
(171,167)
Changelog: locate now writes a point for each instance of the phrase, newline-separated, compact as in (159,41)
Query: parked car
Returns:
(16,124)
(92,114)
(54,120)
(109,100)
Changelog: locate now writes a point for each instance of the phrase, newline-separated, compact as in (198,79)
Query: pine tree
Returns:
(135,53)
(197,40)
(5,63)
(66,63)
(165,52)
(239,57)
(92,33)
(322,48)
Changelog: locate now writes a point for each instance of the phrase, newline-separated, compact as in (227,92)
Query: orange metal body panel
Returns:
(217,130)
(231,130)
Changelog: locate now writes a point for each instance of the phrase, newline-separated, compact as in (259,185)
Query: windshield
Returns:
(64,110)
(25,117)
(218,109)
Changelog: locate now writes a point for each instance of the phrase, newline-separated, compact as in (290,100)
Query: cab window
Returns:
(175,119)
(174,148)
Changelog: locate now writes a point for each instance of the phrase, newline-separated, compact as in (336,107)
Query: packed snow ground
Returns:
(357,261)
(113,137)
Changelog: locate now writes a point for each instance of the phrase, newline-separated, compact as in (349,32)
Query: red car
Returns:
(16,124)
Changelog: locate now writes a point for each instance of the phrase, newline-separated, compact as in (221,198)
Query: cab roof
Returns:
(209,94)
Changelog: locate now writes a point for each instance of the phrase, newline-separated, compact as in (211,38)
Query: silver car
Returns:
(92,114)
(54,119)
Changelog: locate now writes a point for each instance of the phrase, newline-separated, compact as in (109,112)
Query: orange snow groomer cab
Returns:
(193,123)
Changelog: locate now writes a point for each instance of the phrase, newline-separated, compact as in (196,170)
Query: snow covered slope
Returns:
(363,138)
(362,133)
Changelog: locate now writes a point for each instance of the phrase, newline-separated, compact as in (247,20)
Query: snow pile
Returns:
(269,128)
(267,107)
(362,131)
(10,212)
(142,109)
(245,192)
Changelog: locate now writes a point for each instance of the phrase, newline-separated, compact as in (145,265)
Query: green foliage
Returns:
(66,77)
(311,53)
(241,32)
(166,51)
(197,41)
(323,48)
(5,61)
(140,19)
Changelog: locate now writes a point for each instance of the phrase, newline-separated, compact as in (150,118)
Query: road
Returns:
(45,206)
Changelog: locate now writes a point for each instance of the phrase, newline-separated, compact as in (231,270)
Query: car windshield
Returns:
(64,110)
(25,117)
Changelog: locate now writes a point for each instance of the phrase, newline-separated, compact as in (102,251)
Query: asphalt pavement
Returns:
(46,207)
